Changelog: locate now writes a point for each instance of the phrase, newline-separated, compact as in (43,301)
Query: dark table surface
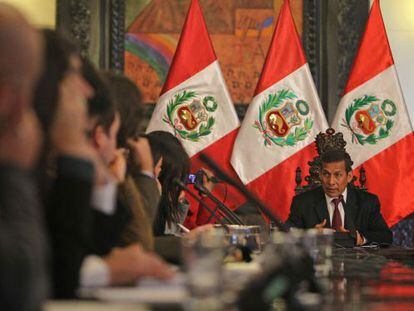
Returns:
(370,279)
(361,279)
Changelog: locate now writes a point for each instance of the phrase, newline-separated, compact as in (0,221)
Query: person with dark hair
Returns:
(172,162)
(74,168)
(117,200)
(110,216)
(114,223)
(101,108)
(128,103)
(65,172)
(340,206)
(338,156)
(63,63)
(139,190)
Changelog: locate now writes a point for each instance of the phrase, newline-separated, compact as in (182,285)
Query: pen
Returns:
(186,230)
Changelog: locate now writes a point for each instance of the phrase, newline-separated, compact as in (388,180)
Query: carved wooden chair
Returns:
(325,142)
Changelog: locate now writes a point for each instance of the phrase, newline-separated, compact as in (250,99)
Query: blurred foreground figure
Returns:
(75,165)
(23,281)
(139,191)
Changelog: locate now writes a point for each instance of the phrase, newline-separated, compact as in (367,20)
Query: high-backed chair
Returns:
(328,141)
(402,231)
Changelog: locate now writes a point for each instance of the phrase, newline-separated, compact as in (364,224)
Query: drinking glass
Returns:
(203,258)
(319,245)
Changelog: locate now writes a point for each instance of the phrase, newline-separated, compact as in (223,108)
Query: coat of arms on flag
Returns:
(195,105)
(374,119)
(369,119)
(189,114)
(281,122)
(282,119)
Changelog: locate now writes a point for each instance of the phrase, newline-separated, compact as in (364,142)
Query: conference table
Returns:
(360,279)
(370,279)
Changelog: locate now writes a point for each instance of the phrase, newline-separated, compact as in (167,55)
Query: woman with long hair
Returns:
(171,162)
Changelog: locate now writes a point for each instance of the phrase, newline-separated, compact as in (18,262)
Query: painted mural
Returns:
(240,31)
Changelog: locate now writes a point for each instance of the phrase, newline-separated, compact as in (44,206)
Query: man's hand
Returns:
(21,143)
(118,166)
(159,186)
(196,231)
(359,239)
(321,225)
(141,153)
(128,264)
(342,229)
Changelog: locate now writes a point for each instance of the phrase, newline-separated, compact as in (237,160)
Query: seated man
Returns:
(338,205)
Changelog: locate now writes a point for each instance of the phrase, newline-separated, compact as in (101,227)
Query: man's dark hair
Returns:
(128,102)
(101,105)
(58,50)
(337,156)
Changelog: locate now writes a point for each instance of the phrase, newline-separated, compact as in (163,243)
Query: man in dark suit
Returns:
(340,206)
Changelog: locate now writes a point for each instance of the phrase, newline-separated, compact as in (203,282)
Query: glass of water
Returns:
(203,258)
(319,245)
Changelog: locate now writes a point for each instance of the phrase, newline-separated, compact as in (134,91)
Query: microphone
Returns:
(225,211)
(292,270)
(198,177)
(214,179)
(179,183)
(224,177)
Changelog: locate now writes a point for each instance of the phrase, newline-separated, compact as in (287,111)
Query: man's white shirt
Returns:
(331,209)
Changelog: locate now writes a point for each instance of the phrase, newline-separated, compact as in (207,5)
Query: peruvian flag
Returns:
(281,123)
(374,120)
(195,104)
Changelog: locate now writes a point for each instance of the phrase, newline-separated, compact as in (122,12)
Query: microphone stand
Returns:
(203,204)
(242,188)
(296,265)
(225,211)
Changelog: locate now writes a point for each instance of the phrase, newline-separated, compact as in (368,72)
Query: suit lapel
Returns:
(351,210)
(321,209)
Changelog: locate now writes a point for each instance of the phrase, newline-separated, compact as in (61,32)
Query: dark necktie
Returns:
(336,219)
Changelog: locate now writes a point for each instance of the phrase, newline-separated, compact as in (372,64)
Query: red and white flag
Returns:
(282,121)
(195,104)
(374,120)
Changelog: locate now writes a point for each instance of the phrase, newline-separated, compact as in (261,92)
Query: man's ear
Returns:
(12,106)
(349,176)
(98,136)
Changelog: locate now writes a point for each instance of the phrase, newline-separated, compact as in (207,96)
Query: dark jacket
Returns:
(69,218)
(23,247)
(362,213)
(76,229)
(139,228)
(150,194)
(108,229)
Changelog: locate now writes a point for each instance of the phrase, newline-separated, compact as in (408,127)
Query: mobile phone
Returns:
(196,178)
(191,179)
